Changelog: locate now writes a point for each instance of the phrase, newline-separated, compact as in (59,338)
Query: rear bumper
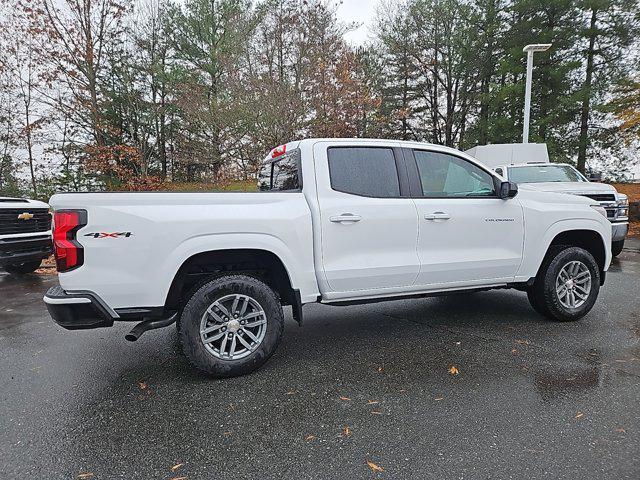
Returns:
(14,251)
(619,231)
(78,310)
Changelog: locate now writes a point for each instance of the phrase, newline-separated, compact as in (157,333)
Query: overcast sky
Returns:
(361,11)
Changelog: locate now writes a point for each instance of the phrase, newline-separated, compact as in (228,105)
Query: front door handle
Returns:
(345,218)
(437,216)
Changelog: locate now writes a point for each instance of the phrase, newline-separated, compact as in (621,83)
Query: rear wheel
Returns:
(22,268)
(231,326)
(616,247)
(567,284)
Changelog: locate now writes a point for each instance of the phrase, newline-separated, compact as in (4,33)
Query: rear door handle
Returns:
(345,218)
(437,216)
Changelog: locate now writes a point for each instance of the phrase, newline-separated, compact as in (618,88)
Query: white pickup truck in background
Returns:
(528,163)
(337,221)
(25,234)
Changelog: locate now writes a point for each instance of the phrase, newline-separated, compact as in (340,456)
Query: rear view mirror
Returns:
(595,176)
(508,190)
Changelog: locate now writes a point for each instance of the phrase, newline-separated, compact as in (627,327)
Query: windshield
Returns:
(545,173)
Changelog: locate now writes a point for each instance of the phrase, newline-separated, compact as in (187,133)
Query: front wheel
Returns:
(616,247)
(567,284)
(231,326)
(23,268)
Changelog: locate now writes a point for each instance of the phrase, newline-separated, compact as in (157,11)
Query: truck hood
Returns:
(10,202)
(574,188)
(539,195)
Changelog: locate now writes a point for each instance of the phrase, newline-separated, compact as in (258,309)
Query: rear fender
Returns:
(300,270)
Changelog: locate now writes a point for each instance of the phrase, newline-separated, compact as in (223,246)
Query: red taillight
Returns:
(69,253)
(276,152)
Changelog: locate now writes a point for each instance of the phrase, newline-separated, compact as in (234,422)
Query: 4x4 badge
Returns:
(109,235)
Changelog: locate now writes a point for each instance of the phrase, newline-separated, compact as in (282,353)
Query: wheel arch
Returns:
(263,264)
(589,239)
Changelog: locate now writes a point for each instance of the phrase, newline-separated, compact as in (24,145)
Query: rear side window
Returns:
(444,175)
(366,171)
(281,174)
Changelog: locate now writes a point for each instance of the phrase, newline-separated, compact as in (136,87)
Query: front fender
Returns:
(536,246)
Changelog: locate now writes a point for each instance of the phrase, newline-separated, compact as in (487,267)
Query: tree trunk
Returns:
(586,100)
(27,117)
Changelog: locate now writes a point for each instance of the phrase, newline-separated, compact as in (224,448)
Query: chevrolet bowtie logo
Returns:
(25,216)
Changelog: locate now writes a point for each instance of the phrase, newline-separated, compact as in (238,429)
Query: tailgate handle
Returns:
(345,218)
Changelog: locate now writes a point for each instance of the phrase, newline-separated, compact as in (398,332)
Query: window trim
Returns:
(401,171)
(415,182)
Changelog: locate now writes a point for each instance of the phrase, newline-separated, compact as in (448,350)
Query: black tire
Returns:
(543,296)
(535,304)
(189,331)
(616,247)
(23,268)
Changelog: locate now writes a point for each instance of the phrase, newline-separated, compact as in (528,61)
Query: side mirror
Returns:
(508,190)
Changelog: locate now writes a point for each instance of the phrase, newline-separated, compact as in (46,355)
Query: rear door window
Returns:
(364,171)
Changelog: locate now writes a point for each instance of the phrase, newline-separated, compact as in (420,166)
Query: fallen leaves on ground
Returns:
(309,437)
(346,399)
(453,371)
(376,412)
(346,431)
(523,342)
(292,392)
(372,402)
(176,466)
(142,385)
(437,399)
(47,267)
(179,478)
(621,430)
(579,414)
(85,475)
(374,467)
(379,369)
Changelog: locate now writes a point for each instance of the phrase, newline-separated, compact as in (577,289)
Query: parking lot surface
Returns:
(464,386)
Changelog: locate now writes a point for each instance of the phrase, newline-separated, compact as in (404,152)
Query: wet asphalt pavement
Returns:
(532,398)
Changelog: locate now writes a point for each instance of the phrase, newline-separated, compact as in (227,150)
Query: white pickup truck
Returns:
(25,234)
(528,164)
(337,222)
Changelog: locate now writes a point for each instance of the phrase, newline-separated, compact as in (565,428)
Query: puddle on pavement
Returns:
(554,383)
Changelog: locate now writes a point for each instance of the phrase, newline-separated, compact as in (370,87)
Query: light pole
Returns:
(530,49)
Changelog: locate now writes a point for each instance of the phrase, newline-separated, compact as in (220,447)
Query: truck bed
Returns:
(134,243)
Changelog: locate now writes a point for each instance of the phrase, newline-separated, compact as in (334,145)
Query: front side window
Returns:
(281,174)
(444,175)
(366,171)
(545,173)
